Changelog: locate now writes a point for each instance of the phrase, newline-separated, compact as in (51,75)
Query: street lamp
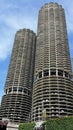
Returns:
(34,114)
(39,113)
(44,110)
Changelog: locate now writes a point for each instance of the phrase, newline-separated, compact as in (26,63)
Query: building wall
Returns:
(12,126)
(72,64)
(52,89)
(16,102)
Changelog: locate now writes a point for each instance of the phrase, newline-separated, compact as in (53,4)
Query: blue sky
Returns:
(18,14)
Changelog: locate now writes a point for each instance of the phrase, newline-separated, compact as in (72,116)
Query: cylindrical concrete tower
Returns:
(53,87)
(16,103)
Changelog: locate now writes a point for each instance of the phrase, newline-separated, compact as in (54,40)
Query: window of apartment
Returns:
(10,89)
(46,72)
(29,93)
(14,89)
(66,74)
(6,91)
(53,72)
(60,72)
(25,90)
(40,74)
(20,89)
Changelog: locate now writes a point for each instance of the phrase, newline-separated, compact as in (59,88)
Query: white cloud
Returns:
(69,17)
(13,18)
(68,6)
(21,22)
(4,50)
(24,15)
(6,43)
(13,24)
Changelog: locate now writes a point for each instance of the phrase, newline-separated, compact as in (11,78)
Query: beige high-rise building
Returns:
(72,64)
(53,85)
(16,102)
